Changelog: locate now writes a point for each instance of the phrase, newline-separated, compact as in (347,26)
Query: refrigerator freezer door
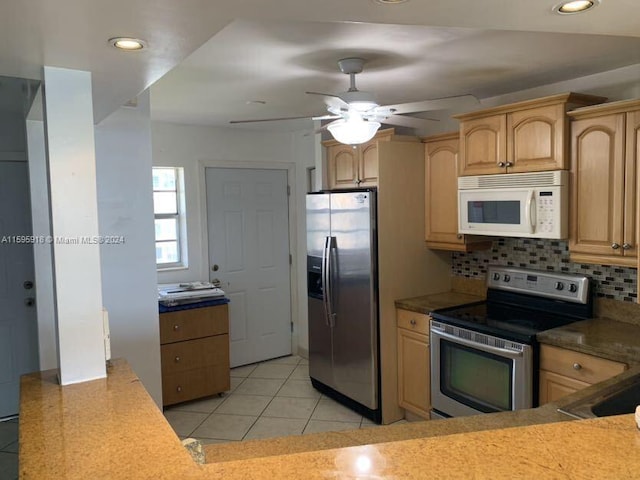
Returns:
(355,323)
(318,223)
(320,346)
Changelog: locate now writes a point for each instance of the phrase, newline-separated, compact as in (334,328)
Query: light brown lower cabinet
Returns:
(413,362)
(194,352)
(563,372)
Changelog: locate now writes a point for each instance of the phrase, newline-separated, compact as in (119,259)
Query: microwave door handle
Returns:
(530,215)
(503,352)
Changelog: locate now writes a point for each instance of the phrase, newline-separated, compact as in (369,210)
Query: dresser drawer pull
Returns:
(176,328)
(177,359)
(178,389)
(577,366)
(413,322)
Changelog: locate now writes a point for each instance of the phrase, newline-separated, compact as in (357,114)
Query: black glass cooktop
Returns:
(502,320)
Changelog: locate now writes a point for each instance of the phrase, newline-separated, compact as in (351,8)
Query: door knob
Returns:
(28,285)
(29,301)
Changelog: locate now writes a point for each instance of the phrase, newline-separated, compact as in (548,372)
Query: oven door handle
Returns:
(503,352)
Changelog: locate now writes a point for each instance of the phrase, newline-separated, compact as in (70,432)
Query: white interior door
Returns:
(248,225)
(18,324)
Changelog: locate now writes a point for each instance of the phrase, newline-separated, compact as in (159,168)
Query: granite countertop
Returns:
(603,337)
(110,428)
(428,303)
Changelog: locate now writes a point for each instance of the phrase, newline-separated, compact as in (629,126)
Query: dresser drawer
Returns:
(194,323)
(197,383)
(579,366)
(416,322)
(190,354)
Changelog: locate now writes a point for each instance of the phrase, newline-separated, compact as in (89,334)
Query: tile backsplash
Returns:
(618,283)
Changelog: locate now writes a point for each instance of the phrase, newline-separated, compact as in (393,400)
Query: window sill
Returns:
(172,269)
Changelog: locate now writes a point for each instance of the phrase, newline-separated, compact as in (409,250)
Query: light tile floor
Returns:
(268,399)
(9,449)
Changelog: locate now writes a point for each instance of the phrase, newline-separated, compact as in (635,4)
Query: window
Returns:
(168,207)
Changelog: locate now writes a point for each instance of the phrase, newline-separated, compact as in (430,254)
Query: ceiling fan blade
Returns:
(270,119)
(444,103)
(327,117)
(337,98)
(411,122)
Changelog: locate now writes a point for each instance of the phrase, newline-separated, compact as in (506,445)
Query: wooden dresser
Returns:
(194,348)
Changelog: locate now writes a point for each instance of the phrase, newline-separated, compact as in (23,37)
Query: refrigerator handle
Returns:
(325,279)
(330,263)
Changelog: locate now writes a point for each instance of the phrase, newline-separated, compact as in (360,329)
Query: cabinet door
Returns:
(597,176)
(441,192)
(554,386)
(535,139)
(342,166)
(413,372)
(368,166)
(483,145)
(630,240)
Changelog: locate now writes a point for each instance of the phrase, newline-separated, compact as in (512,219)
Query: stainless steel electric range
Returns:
(484,356)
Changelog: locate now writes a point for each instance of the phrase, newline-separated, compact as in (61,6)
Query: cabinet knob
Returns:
(626,246)
(615,246)
(577,366)
(501,164)
(177,359)
(413,321)
(459,236)
(509,164)
(178,389)
(176,328)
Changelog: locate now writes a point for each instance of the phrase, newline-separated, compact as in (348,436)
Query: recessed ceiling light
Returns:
(575,6)
(127,43)
(256,102)
(390,2)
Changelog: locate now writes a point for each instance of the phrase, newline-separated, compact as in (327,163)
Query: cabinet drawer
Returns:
(578,366)
(416,322)
(202,352)
(194,323)
(200,382)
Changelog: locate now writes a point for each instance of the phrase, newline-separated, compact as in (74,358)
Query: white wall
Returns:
(74,215)
(190,147)
(125,208)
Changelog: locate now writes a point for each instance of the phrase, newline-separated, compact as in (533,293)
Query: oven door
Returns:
(474,373)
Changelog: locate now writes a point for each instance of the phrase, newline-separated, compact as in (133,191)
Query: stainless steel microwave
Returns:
(531,205)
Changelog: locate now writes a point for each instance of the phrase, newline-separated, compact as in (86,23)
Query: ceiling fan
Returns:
(357,116)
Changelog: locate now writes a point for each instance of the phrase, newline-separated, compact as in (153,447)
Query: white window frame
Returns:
(180,216)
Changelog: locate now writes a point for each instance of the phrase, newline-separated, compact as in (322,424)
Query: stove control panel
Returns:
(561,286)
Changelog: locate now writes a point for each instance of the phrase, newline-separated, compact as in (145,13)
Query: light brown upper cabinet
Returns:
(356,166)
(528,136)
(441,196)
(604,157)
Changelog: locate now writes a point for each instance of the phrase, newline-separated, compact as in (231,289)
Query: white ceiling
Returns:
(275,50)
(277,61)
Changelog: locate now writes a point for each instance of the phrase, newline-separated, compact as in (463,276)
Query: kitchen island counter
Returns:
(110,428)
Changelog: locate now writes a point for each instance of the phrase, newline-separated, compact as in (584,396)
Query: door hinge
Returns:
(290,259)
(288,190)
(291,327)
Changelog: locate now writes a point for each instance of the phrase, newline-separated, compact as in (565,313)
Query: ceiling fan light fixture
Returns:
(353,131)
(575,6)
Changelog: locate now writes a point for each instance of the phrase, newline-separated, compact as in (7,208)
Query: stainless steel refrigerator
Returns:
(343,298)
